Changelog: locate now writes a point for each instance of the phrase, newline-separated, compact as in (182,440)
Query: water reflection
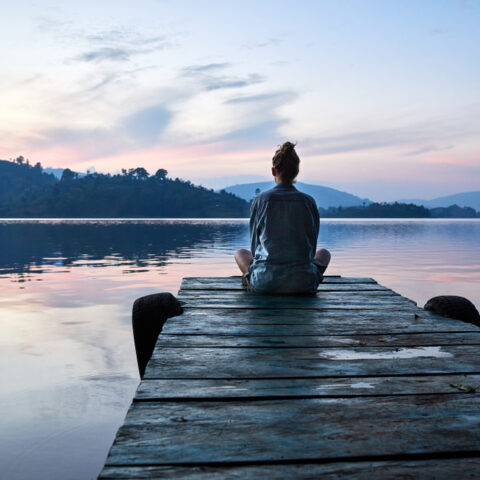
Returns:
(68,368)
(31,247)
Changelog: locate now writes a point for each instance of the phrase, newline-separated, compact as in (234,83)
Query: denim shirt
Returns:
(284,226)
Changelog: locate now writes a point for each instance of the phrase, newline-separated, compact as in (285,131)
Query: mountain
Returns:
(465,199)
(57,172)
(324,196)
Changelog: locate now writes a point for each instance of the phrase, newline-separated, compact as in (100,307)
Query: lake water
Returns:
(67,362)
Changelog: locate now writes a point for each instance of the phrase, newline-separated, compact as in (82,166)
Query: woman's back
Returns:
(284,227)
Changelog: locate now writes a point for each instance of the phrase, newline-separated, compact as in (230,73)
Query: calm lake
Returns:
(67,363)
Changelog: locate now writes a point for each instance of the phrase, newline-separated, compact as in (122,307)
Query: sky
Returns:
(381,97)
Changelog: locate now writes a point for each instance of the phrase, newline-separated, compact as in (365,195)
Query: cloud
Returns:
(271,42)
(411,136)
(106,80)
(265,132)
(209,79)
(105,53)
(208,67)
(282,97)
(232,82)
(124,50)
(46,23)
(146,126)
(263,122)
(426,149)
(139,130)
(116,44)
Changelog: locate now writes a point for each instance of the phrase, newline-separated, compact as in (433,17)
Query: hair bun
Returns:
(287,147)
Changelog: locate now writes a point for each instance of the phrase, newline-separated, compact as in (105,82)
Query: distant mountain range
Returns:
(324,196)
(466,199)
(330,197)
(57,172)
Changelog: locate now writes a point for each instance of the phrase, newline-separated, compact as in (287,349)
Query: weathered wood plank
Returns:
(436,469)
(306,341)
(149,390)
(310,362)
(193,284)
(329,295)
(235,281)
(296,429)
(323,300)
(271,322)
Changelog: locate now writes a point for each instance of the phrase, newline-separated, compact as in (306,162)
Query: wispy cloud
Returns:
(123,50)
(208,67)
(427,149)
(105,53)
(271,42)
(106,80)
(46,23)
(117,44)
(210,76)
(233,82)
(124,35)
(25,82)
(277,97)
(414,136)
(260,133)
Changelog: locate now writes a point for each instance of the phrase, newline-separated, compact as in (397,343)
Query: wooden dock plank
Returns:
(151,390)
(437,469)
(245,299)
(225,362)
(296,429)
(276,321)
(323,287)
(306,341)
(246,386)
(221,283)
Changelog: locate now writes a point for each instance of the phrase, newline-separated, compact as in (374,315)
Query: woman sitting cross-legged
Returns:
(284,226)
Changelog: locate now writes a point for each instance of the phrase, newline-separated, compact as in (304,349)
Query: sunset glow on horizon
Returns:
(383,98)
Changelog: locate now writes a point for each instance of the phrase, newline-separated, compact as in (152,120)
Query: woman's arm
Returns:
(253,227)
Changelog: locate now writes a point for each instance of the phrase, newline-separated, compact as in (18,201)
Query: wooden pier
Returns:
(357,382)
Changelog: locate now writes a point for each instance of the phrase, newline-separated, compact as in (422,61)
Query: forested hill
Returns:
(26,191)
(19,179)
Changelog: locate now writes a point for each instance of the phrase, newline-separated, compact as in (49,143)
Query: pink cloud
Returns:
(464,160)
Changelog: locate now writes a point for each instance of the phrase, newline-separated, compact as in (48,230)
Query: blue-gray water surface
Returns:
(67,362)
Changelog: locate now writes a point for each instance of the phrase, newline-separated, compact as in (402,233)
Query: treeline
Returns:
(398,210)
(133,193)
(19,179)
(27,191)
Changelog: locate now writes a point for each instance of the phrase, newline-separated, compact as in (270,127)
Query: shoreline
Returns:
(222,219)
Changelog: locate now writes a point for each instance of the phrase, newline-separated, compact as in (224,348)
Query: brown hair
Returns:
(286,162)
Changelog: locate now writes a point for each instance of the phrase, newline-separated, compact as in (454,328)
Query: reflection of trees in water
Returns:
(26,247)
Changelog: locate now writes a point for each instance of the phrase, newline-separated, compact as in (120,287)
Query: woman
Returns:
(284,226)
